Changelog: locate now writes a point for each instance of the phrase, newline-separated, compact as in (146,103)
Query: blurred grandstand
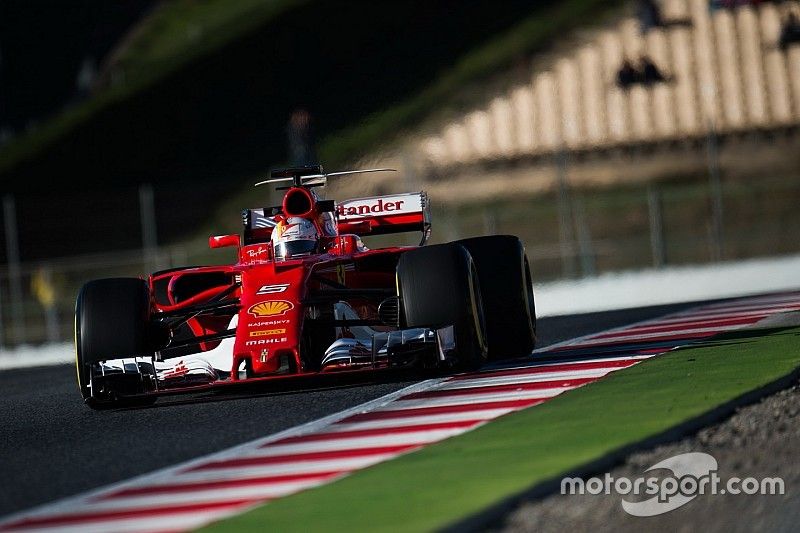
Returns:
(725,73)
(689,157)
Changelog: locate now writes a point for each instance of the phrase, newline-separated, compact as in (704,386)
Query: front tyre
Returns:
(438,287)
(112,319)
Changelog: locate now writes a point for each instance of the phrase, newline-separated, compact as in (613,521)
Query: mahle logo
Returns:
(261,342)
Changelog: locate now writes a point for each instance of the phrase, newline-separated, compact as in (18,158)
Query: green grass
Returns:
(448,481)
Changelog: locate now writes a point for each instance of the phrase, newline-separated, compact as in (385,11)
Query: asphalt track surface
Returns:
(52,446)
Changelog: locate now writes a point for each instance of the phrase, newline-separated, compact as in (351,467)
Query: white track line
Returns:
(483,415)
(461,399)
(658,336)
(525,378)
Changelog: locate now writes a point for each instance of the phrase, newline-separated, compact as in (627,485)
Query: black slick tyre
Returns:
(507,291)
(111,322)
(439,287)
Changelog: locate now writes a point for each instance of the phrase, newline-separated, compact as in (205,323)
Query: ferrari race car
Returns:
(306,297)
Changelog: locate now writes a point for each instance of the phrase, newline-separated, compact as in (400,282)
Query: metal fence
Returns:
(37,298)
(569,233)
(53,242)
(578,233)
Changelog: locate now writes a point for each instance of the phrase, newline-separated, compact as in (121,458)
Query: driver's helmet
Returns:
(294,237)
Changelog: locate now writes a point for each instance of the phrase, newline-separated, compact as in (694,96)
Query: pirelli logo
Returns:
(267,332)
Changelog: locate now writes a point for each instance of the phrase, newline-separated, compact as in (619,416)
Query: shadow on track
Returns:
(291,386)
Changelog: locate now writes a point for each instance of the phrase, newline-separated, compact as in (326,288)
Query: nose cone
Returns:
(270,320)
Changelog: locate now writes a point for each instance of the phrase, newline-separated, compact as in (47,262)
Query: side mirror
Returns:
(224,241)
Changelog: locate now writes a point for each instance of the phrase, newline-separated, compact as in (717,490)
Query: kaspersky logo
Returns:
(265,323)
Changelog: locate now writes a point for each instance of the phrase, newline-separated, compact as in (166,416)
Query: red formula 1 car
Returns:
(306,297)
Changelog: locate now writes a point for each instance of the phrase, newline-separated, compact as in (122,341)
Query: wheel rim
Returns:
(477,310)
(80,370)
(529,298)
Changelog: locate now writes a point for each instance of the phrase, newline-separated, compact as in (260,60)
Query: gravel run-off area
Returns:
(759,440)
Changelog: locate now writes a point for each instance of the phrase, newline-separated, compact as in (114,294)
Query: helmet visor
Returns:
(288,250)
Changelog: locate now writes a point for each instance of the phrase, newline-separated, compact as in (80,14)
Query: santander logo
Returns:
(368,208)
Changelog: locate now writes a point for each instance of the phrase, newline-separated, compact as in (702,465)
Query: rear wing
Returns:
(379,215)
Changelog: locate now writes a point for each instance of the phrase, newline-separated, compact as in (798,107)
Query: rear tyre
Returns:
(507,290)
(438,287)
(111,322)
